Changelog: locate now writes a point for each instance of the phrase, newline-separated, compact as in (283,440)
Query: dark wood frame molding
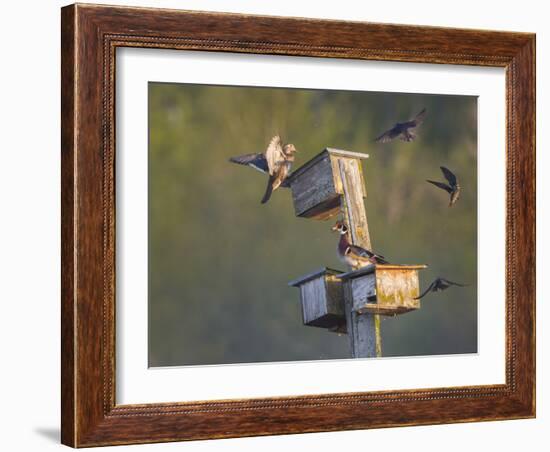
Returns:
(90,35)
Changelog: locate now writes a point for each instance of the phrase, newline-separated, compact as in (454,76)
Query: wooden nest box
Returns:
(382,289)
(330,184)
(318,185)
(322,299)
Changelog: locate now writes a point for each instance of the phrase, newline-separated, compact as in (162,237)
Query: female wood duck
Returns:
(354,255)
(275,161)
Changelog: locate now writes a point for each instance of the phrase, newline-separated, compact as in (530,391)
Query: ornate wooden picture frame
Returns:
(90,37)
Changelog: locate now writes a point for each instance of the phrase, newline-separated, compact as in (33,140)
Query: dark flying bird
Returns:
(405,131)
(354,255)
(453,188)
(438,285)
(276,161)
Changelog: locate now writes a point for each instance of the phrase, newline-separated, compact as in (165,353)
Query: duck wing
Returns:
(256,161)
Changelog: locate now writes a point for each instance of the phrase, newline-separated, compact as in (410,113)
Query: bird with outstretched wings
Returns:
(276,162)
(438,285)
(452,187)
(405,131)
(256,161)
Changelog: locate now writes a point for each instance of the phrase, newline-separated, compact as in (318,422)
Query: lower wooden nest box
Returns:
(322,299)
(374,289)
(383,289)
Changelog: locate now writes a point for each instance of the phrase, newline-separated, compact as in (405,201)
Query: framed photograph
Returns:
(281,225)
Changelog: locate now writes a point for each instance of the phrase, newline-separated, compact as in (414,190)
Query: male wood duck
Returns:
(438,285)
(405,131)
(453,188)
(276,161)
(354,255)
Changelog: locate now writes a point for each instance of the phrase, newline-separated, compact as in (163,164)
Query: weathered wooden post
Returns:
(363,329)
(330,184)
(377,290)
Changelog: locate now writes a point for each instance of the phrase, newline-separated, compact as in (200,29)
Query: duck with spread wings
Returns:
(276,161)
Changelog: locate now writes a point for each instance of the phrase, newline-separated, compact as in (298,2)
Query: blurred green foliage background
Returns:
(219,261)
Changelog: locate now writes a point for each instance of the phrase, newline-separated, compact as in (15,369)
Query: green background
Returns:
(219,261)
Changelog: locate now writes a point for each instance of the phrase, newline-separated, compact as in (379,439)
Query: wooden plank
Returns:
(334,296)
(306,166)
(362,290)
(372,268)
(324,210)
(323,303)
(344,153)
(313,187)
(314,305)
(314,274)
(353,207)
(401,266)
(363,329)
(336,304)
(397,288)
(335,160)
(68,231)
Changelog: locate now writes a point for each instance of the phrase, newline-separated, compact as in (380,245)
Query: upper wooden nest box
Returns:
(322,299)
(318,184)
(383,289)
